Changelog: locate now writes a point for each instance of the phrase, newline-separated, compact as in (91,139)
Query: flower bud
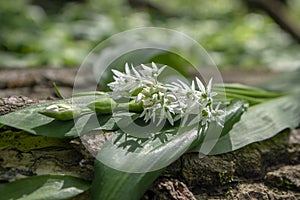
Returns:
(61,111)
(103,105)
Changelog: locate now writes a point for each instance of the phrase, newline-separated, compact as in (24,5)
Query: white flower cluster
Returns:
(171,101)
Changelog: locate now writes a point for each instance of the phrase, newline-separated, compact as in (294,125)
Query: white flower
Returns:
(130,81)
(172,101)
(193,102)
(217,115)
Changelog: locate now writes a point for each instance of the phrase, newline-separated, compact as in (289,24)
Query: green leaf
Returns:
(147,154)
(111,184)
(58,93)
(233,115)
(208,141)
(44,187)
(252,95)
(261,122)
(126,167)
(30,120)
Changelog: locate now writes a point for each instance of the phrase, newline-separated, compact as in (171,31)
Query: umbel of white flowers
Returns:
(171,101)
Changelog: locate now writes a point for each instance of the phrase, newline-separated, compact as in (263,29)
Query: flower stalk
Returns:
(108,106)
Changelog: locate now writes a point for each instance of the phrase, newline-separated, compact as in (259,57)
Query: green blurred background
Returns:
(57,33)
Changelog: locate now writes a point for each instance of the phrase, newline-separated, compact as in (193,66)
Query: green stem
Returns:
(131,106)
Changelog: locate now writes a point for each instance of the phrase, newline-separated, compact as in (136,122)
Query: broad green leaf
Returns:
(147,154)
(126,171)
(261,122)
(44,187)
(30,120)
(126,167)
(233,115)
(111,184)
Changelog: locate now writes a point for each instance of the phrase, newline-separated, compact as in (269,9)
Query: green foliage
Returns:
(252,95)
(112,184)
(46,187)
(261,122)
(147,164)
(38,124)
(128,163)
(29,37)
(32,37)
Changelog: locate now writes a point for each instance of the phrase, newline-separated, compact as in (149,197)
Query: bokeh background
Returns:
(244,34)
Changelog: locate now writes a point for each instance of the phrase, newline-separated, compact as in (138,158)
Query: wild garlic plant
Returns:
(171,101)
(155,100)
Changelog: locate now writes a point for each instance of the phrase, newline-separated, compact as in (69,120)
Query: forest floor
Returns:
(264,170)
